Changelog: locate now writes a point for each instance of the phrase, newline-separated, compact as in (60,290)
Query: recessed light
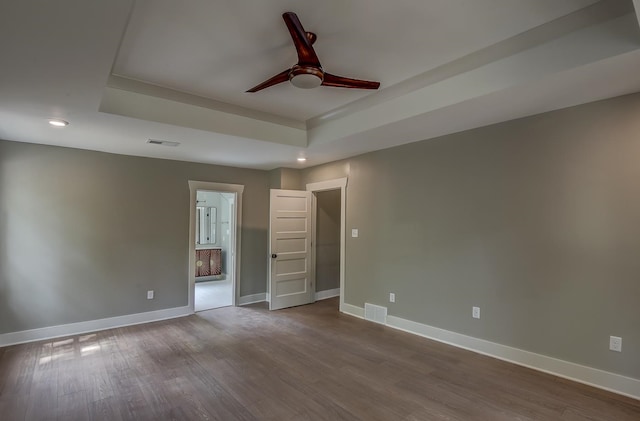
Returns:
(302,159)
(56,122)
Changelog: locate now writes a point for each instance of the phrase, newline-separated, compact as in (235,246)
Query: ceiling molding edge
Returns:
(127,84)
(594,14)
(591,44)
(160,110)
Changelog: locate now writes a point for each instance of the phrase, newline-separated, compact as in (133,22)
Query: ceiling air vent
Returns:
(163,142)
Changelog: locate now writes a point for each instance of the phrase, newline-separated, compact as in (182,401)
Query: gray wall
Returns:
(536,221)
(84,235)
(286,179)
(291,179)
(275,178)
(328,240)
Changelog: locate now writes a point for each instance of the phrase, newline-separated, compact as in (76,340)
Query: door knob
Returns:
(273,256)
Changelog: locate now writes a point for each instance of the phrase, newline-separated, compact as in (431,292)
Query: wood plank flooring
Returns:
(305,363)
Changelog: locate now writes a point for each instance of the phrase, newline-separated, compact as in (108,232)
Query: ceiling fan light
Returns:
(305,81)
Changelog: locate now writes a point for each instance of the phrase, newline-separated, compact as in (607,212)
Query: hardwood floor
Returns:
(305,363)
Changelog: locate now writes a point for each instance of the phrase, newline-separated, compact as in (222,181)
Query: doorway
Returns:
(338,184)
(213,272)
(326,244)
(214,245)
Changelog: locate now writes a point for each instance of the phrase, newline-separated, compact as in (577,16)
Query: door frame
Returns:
(335,184)
(238,189)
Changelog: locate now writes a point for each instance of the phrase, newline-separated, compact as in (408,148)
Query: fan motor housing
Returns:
(306,77)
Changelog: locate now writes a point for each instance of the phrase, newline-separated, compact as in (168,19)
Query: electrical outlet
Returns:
(392,297)
(615,343)
(150,295)
(476,312)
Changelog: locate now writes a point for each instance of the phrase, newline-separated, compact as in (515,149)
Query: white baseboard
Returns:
(327,293)
(352,310)
(250,299)
(14,338)
(601,379)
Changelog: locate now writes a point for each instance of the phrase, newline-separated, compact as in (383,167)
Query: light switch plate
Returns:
(354,232)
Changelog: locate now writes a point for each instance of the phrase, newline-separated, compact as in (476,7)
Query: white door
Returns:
(290,249)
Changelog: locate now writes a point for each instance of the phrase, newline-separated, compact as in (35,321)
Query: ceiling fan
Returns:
(308,73)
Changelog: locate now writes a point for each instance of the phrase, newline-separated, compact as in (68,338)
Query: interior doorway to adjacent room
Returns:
(214,243)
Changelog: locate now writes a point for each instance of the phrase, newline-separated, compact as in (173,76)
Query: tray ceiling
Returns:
(123,71)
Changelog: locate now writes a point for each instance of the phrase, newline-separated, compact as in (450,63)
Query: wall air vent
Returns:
(375,313)
(162,142)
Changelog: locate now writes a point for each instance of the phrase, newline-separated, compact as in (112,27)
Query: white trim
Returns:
(252,299)
(327,293)
(70,329)
(328,185)
(601,379)
(314,240)
(338,183)
(582,374)
(352,310)
(234,273)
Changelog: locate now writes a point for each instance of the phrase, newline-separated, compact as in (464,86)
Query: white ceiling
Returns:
(123,72)
(222,48)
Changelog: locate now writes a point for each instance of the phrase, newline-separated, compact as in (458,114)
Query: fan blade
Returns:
(306,54)
(345,82)
(279,78)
